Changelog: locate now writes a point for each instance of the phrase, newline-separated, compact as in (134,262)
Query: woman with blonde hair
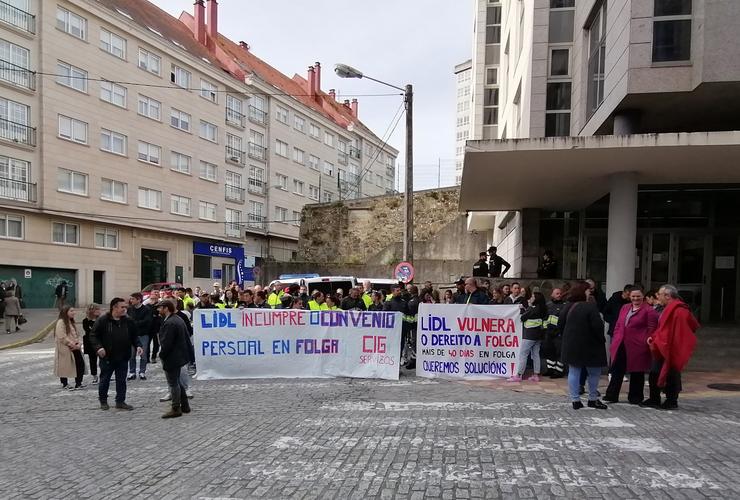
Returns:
(93,313)
(68,360)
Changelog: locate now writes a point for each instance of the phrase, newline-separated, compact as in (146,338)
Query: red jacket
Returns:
(674,339)
(634,336)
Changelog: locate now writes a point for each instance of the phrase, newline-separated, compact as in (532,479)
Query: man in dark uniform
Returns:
(495,263)
(480,268)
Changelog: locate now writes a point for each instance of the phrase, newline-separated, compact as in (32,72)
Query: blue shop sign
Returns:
(215,249)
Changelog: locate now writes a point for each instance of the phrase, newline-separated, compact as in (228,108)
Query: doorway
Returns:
(227,274)
(153,266)
(98,286)
(723,306)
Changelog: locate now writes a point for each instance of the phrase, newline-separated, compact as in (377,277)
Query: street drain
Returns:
(725,387)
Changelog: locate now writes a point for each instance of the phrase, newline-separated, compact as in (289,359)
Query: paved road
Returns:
(352,439)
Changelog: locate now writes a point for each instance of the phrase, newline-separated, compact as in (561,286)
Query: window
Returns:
(71,182)
(65,234)
(16,65)
(281,214)
(557,117)
(328,168)
(299,156)
(233,179)
(180,162)
(314,131)
(233,222)
(11,226)
(596,60)
(71,76)
(493,24)
(296,218)
(150,62)
(72,130)
(180,77)
(113,142)
(201,266)
(112,43)
(379,180)
(207,211)
(71,23)
(281,114)
(256,208)
(313,162)
(281,148)
(561,4)
(14,179)
(150,153)
(282,181)
(208,91)
(234,111)
(299,123)
(490,106)
(298,187)
(560,28)
(313,192)
(113,93)
(491,76)
(113,191)
(672,30)
(180,120)
(328,197)
(106,239)
(180,205)
(329,139)
(559,62)
(151,108)
(208,131)
(150,198)
(208,171)
(256,138)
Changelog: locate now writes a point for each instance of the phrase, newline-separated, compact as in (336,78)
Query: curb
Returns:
(36,338)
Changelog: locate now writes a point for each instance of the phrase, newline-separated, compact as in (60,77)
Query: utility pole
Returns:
(408,240)
(439,172)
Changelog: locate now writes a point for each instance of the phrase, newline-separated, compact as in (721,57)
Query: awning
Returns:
(570,173)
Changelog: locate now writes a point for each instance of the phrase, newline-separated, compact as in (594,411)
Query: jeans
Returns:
(527,347)
(574,381)
(185,377)
(80,366)
(144,357)
(177,390)
(107,368)
(637,379)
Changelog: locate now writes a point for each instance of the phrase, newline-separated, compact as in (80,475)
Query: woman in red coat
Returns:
(630,352)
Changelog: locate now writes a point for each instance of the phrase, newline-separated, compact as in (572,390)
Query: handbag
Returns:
(21,320)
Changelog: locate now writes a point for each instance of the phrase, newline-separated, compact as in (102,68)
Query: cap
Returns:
(216,283)
(161,303)
(461,281)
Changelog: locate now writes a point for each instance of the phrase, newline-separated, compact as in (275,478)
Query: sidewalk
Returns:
(40,323)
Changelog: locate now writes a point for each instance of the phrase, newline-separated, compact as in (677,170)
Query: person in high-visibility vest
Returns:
(273,300)
(188,301)
(553,343)
(332,303)
(367,294)
(317,302)
(533,319)
(377,302)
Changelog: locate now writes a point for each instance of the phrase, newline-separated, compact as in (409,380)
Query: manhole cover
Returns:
(725,387)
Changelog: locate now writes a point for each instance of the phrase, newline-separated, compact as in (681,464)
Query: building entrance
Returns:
(153,266)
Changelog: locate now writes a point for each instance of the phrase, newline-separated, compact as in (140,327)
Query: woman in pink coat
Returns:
(630,352)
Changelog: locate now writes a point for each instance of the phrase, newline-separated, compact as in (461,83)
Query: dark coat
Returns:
(116,337)
(174,350)
(350,304)
(478,297)
(142,318)
(480,269)
(584,343)
(612,309)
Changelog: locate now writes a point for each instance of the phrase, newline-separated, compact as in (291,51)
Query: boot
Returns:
(174,412)
(185,407)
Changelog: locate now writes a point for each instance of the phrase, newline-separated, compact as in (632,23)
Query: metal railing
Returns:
(236,155)
(343,158)
(17,75)
(17,190)
(256,186)
(235,193)
(355,153)
(257,115)
(233,229)
(234,117)
(17,132)
(17,17)
(257,152)
(256,221)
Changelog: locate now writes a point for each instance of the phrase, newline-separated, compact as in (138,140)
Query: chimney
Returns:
(346,103)
(244,45)
(355,105)
(311,81)
(318,77)
(212,26)
(200,22)
(333,94)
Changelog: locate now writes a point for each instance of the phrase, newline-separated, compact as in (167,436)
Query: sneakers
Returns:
(189,394)
(534,378)
(95,379)
(142,376)
(104,406)
(577,405)
(131,376)
(167,397)
(514,378)
(124,406)
(597,404)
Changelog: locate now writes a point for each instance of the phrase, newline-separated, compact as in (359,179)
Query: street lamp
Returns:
(345,71)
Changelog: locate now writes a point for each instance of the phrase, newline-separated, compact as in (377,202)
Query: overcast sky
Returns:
(398,41)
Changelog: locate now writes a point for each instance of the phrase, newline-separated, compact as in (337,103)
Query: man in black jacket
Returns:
(142,318)
(112,337)
(480,268)
(473,294)
(614,306)
(354,301)
(175,353)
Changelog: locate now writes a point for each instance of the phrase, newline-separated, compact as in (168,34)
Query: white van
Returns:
(330,284)
(380,284)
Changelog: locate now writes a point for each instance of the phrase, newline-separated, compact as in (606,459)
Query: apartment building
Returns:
(625,120)
(464,79)
(136,148)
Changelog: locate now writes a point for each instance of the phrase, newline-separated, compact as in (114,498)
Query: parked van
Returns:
(329,284)
(381,284)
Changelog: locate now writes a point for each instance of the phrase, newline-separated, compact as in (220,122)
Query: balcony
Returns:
(17,132)
(17,17)
(233,229)
(17,75)
(255,221)
(12,189)
(235,155)
(355,153)
(235,118)
(257,116)
(256,186)
(235,193)
(343,158)
(257,152)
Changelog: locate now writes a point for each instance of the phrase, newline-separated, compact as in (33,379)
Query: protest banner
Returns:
(261,343)
(469,342)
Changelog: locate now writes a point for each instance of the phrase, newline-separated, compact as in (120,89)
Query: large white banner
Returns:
(472,342)
(261,343)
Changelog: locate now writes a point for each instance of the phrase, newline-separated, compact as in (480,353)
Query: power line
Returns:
(397,118)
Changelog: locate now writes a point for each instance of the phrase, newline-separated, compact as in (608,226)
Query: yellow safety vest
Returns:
(220,305)
(313,305)
(533,323)
(551,320)
(188,300)
(273,300)
(367,299)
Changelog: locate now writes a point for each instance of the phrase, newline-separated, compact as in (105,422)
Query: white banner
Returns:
(471,342)
(262,343)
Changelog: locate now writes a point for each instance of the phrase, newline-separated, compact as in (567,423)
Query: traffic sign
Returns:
(404,272)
